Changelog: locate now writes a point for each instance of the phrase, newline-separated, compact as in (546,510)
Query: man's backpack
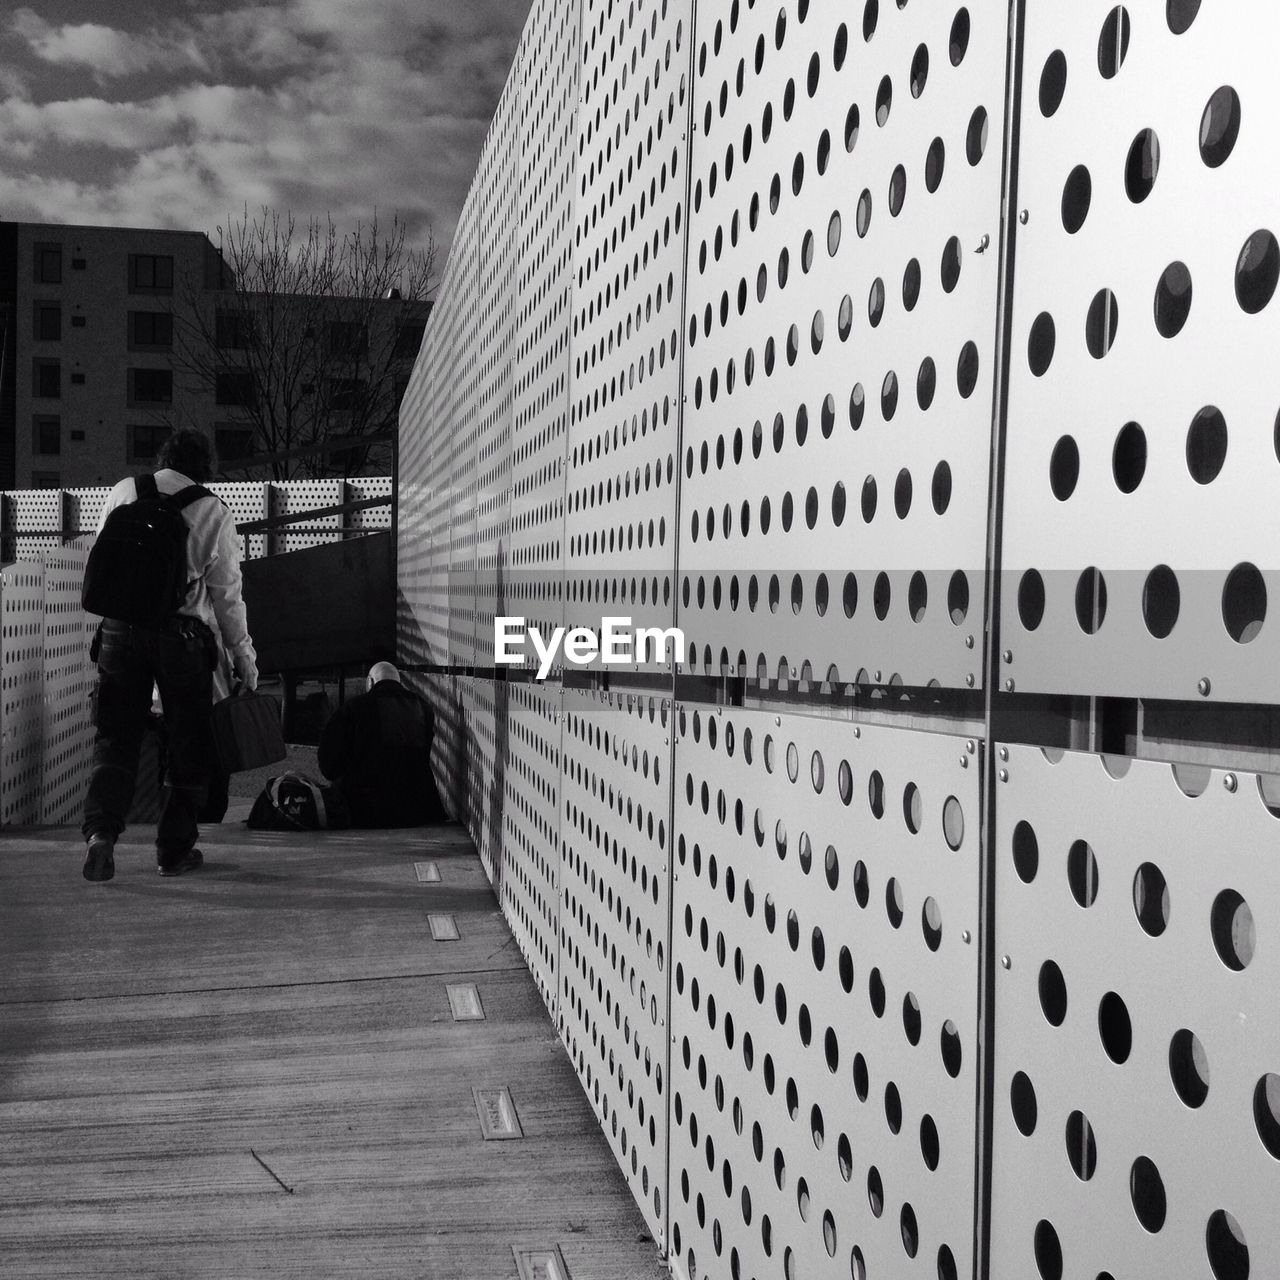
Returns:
(137,569)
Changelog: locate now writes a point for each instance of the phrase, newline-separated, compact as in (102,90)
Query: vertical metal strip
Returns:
(991,646)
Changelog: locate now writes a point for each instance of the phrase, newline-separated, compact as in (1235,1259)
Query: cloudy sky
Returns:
(177,113)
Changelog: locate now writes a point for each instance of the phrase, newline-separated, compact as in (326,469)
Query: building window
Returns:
(151,329)
(232,330)
(235,387)
(409,339)
(77,322)
(150,273)
(145,440)
(46,479)
(46,433)
(76,435)
(77,379)
(346,338)
(48,321)
(345,393)
(233,442)
(78,264)
(46,378)
(48,263)
(150,386)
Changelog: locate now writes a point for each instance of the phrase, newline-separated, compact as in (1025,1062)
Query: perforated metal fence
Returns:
(916,361)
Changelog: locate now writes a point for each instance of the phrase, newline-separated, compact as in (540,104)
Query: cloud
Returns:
(106,50)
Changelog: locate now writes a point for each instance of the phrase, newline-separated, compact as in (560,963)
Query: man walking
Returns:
(177,655)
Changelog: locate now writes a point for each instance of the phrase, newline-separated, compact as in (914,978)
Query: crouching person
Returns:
(165,575)
(377,750)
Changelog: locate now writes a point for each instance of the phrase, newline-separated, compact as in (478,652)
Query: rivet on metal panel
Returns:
(983,244)
(857,732)
(971,746)
(877,677)
(1007,655)
(1005,962)
(777,721)
(965,936)
(1004,754)
(1004,775)
(968,642)
(1229,782)
(964,762)
(969,679)
(1204,686)
(793,674)
(1008,686)
(1024,217)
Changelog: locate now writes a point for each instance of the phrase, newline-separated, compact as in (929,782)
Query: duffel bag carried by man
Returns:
(246,732)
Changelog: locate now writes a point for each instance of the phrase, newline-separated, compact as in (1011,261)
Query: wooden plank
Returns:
(284,1001)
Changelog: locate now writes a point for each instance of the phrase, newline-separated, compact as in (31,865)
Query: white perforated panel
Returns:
(249,500)
(531,829)
(846,178)
(628,262)
(1143,462)
(31,509)
(1137,1071)
(824,941)
(21,690)
(67,683)
(615,836)
(360,488)
(305,495)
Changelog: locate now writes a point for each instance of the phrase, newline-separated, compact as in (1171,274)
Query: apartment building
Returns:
(91,376)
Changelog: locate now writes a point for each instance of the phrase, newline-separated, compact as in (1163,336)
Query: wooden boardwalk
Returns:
(253,1071)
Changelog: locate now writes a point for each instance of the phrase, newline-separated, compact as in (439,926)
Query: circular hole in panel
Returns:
(1115,1027)
(889,396)
(1026,851)
(902,490)
(844,1157)
(875,1191)
(910,1231)
(1101,323)
(931,924)
(1048,1251)
(1257,271)
(975,141)
(1219,126)
(1082,1148)
(1234,935)
(953,822)
(1082,873)
(1040,344)
(893,901)
(1189,1068)
(1151,899)
(849,595)
(861,1079)
(919,71)
(1113,42)
(846,969)
(1244,603)
(893,1107)
(912,808)
(852,127)
(862,218)
(869,499)
(967,369)
(1022,1102)
(1129,457)
(1206,444)
(897,190)
(1091,600)
(935,162)
(1180,14)
(875,302)
(875,793)
(1146,1191)
(884,101)
(940,487)
(911,295)
(834,228)
(1161,601)
(950,269)
(875,993)
(1142,165)
(1173,300)
(1266,1112)
(1077,193)
(870,16)
(845,322)
(951,1049)
(1031,599)
(1226,1246)
(930,1147)
(947,1269)
(958,42)
(957,592)
(1052,987)
(1053,82)
(1064,468)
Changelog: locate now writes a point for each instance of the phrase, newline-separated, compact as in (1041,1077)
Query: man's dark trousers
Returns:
(130,661)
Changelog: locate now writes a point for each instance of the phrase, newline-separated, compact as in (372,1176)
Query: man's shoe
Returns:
(100,861)
(183,863)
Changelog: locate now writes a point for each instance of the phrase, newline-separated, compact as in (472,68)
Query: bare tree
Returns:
(306,337)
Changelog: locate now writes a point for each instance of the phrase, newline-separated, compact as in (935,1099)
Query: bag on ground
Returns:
(294,802)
